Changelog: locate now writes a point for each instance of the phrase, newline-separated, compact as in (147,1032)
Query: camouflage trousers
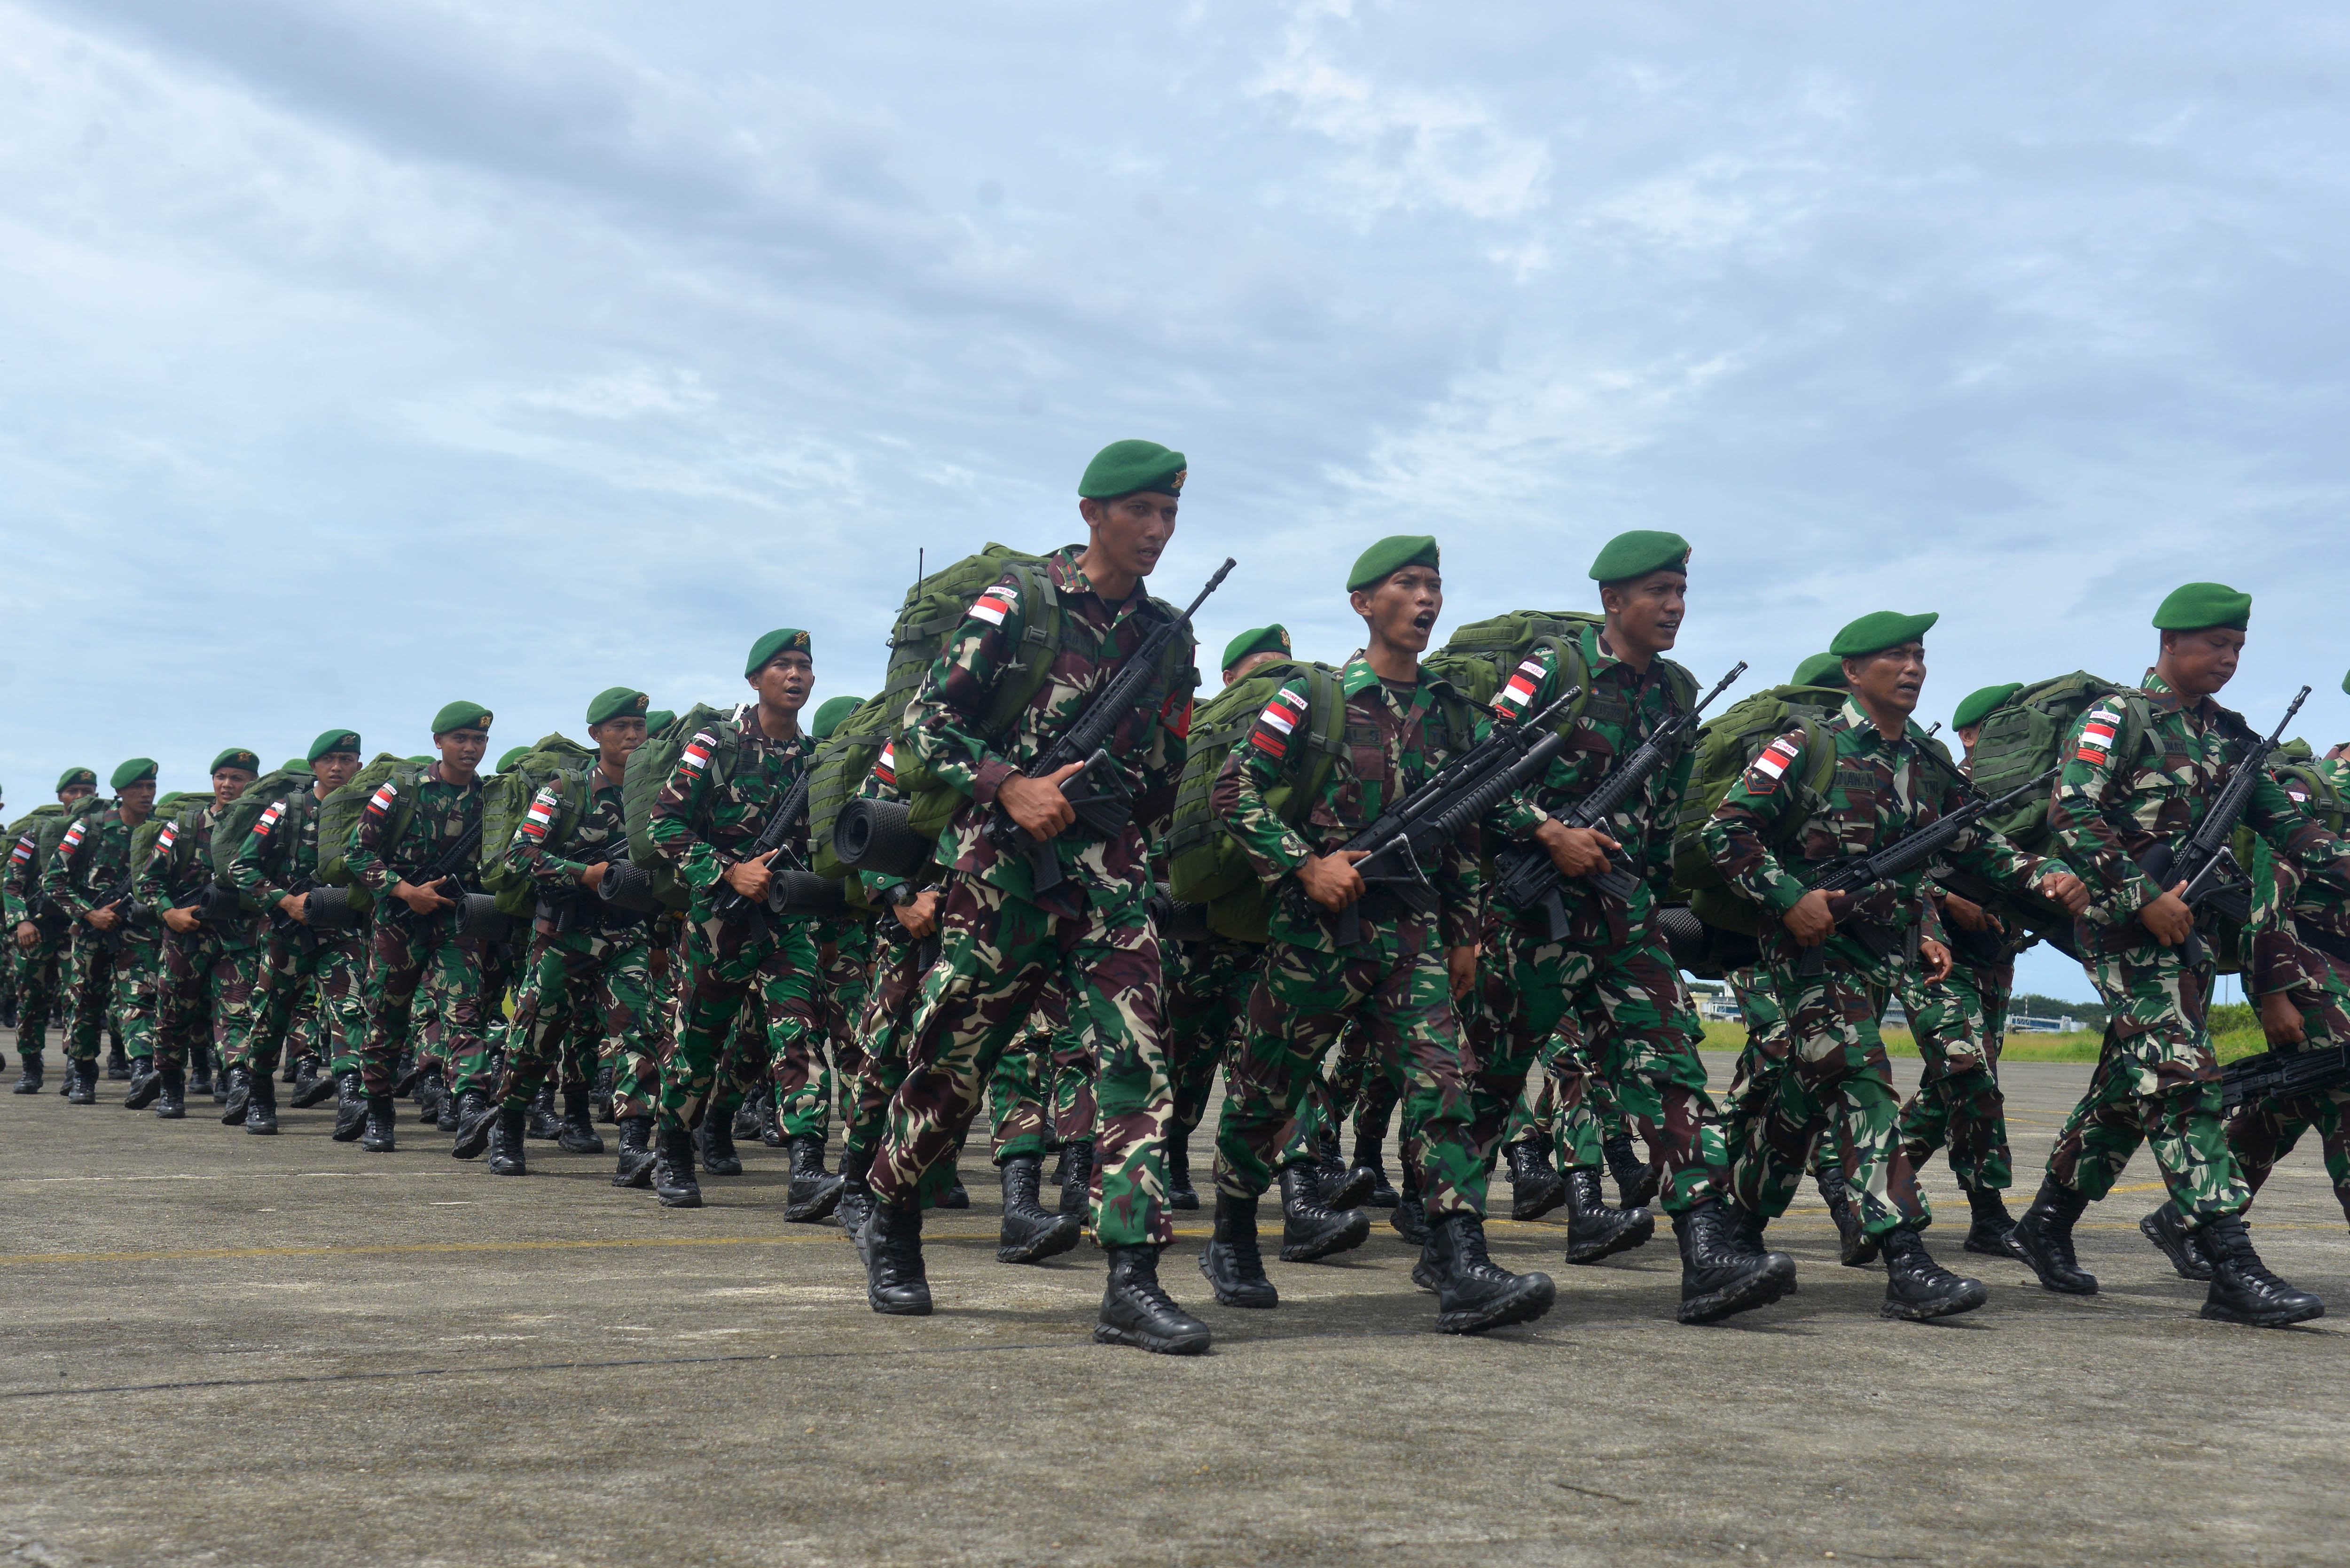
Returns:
(1206,991)
(121,987)
(40,987)
(1835,1079)
(1762,1064)
(206,998)
(1566,1104)
(322,979)
(1639,1041)
(882,1023)
(422,964)
(1392,987)
(583,992)
(998,954)
(1351,1088)
(1041,1095)
(809,1091)
(1960,1023)
(2263,1132)
(2157,1083)
(723,960)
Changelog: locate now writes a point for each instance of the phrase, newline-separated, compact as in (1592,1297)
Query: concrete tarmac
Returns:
(237,1350)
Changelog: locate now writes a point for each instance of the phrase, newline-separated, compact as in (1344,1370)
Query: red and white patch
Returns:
(696,756)
(268,819)
(1511,701)
(2097,734)
(1772,764)
(886,769)
(168,837)
(2297,793)
(996,603)
(541,814)
(1281,716)
(73,838)
(24,850)
(381,801)
(1177,720)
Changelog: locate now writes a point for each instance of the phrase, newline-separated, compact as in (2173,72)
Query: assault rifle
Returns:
(125,919)
(773,839)
(1460,793)
(441,868)
(2205,863)
(1526,879)
(1904,855)
(2282,1074)
(1098,790)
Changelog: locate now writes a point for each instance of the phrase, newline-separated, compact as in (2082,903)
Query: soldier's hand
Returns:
(920,914)
(750,877)
(1575,851)
(1965,913)
(1937,958)
(181,921)
(1809,922)
(2068,890)
(28,935)
(1331,881)
(105,920)
(2167,918)
(1038,804)
(2281,1019)
(423,901)
(1461,964)
(297,907)
(593,877)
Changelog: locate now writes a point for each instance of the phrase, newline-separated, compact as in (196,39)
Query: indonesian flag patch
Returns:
(696,756)
(1281,716)
(2097,733)
(885,770)
(1772,764)
(168,837)
(73,838)
(269,819)
(24,850)
(996,603)
(381,801)
(540,816)
(1511,701)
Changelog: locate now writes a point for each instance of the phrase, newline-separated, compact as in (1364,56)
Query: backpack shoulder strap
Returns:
(1042,635)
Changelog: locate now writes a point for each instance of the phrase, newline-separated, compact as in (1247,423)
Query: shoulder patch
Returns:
(1772,764)
(381,801)
(696,756)
(996,603)
(168,837)
(268,819)
(73,838)
(886,768)
(1177,720)
(1511,701)
(2097,733)
(24,850)
(541,814)
(1282,715)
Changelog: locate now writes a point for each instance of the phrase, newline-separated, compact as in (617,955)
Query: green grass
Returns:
(2231,1034)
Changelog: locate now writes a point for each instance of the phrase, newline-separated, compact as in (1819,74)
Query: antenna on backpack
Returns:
(918,565)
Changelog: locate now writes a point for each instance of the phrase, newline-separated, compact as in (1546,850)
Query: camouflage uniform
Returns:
(1612,965)
(1960,1023)
(1001,944)
(206,996)
(587,976)
(2156,1081)
(40,973)
(708,815)
(1881,790)
(1762,1064)
(1207,988)
(308,976)
(2306,957)
(118,977)
(806,1091)
(638,1058)
(1394,983)
(414,956)
(884,1012)
(1041,1095)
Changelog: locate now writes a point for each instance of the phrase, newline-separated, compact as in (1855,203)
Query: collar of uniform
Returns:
(1357,676)
(1854,717)
(2158,691)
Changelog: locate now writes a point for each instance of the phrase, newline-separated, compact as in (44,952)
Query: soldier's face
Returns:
(784,682)
(462,750)
(139,797)
(1402,609)
(335,769)
(1646,611)
(230,782)
(1255,662)
(1131,531)
(74,793)
(616,738)
(2203,661)
(1888,682)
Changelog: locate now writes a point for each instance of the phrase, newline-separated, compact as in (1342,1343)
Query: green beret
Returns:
(74,778)
(333,741)
(617,703)
(1123,467)
(784,640)
(1639,553)
(133,772)
(657,720)
(1820,669)
(294,765)
(1879,630)
(1977,703)
(2200,605)
(512,757)
(830,713)
(427,762)
(1388,556)
(2345,684)
(1274,639)
(236,757)
(460,716)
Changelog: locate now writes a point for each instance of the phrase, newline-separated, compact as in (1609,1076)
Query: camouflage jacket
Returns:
(281,852)
(2109,810)
(720,795)
(599,834)
(1881,790)
(20,880)
(89,863)
(176,874)
(944,729)
(1393,745)
(2291,953)
(1623,709)
(880,783)
(439,815)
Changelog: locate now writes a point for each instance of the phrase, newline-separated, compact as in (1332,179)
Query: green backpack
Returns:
(1481,655)
(236,824)
(555,760)
(2022,737)
(339,816)
(2295,766)
(181,807)
(839,766)
(1726,746)
(30,823)
(53,829)
(650,766)
(1205,864)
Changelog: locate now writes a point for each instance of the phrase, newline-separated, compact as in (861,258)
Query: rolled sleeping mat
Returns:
(877,836)
(1177,922)
(806,893)
(329,909)
(480,917)
(1704,950)
(624,885)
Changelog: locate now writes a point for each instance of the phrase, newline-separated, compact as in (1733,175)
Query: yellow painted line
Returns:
(202,1254)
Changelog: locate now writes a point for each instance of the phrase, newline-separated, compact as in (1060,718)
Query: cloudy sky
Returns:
(355,357)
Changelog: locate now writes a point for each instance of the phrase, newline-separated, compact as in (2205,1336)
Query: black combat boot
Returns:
(1992,1227)
(146,1083)
(1234,1268)
(239,1085)
(958,1196)
(1855,1247)
(200,1080)
(2242,1288)
(172,1104)
(1060,1152)
(427,1095)
(1724,1271)
(379,1137)
(636,1167)
(674,1181)
(1309,1230)
(350,1107)
(894,1282)
(855,1196)
(81,1082)
(717,1140)
(1534,1187)
(449,1109)
(1181,1193)
(746,1114)
(579,1134)
(290,1072)
(506,1141)
(476,1114)
(1635,1178)
(2044,1239)
(1077,1178)
(1136,1312)
(771,1123)
(1342,1185)
(118,1064)
(1473,1292)
(813,1193)
(1917,1288)
(1031,1232)
(1380,1194)
(599,1097)
(1410,1219)
(28,1081)
(540,1120)
(312,1084)
(2183,1247)
(261,1107)
(1594,1231)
